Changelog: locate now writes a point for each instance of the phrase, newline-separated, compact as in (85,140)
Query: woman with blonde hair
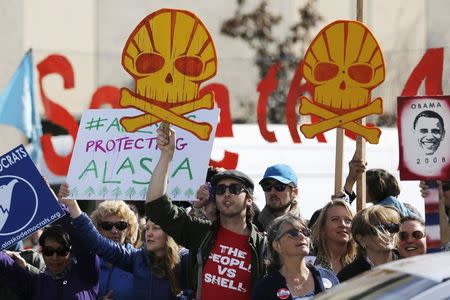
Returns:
(375,231)
(333,244)
(158,267)
(116,221)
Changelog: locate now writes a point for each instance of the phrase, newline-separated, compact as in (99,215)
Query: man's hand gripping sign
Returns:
(344,63)
(169,54)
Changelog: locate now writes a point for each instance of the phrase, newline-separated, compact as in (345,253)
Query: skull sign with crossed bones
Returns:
(169,54)
(344,63)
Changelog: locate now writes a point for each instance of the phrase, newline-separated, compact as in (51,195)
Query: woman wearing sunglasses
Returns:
(290,277)
(72,271)
(411,238)
(331,234)
(374,230)
(116,221)
(155,266)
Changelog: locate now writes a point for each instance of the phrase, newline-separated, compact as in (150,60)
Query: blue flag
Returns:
(18,106)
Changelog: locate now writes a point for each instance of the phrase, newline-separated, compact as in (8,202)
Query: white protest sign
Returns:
(110,163)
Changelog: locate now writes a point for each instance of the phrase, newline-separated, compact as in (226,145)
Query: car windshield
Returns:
(380,284)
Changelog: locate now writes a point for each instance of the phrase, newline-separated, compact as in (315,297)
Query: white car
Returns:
(419,277)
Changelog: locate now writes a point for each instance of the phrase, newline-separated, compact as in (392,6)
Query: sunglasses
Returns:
(234,188)
(295,233)
(404,235)
(121,225)
(389,227)
(279,187)
(48,251)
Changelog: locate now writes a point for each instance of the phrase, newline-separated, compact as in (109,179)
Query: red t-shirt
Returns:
(227,272)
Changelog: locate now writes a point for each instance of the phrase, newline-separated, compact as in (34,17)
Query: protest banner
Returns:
(343,63)
(110,163)
(169,54)
(424,146)
(26,202)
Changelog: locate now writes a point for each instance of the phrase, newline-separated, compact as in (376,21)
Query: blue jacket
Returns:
(116,279)
(135,261)
(392,201)
(79,281)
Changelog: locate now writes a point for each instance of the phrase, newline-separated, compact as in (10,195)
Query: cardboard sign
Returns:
(26,202)
(424,141)
(110,163)
(344,63)
(169,54)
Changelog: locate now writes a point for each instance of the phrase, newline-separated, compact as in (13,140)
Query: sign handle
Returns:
(360,141)
(338,164)
(165,127)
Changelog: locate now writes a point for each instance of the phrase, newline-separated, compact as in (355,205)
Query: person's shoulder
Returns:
(357,266)
(270,279)
(329,279)
(184,252)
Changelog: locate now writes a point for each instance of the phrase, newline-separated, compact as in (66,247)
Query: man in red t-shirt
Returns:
(228,253)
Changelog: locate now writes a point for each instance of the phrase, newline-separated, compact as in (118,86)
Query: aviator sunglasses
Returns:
(48,251)
(295,233)
(279,187)
(389,227)
(234,188)
(417,234)
(121,225)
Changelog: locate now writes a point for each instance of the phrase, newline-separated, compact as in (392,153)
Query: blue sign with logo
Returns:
(26,202)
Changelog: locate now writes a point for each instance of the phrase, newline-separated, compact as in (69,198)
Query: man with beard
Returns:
(280,189)
(227,254)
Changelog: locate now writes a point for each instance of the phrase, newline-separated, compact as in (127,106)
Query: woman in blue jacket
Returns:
(116,221)
(156,267)
(71,271)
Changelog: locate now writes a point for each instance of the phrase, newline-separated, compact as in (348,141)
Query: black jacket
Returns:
(198,236)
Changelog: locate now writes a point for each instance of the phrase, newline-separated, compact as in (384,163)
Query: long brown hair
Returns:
(366,221)
(168,265)
(320,239)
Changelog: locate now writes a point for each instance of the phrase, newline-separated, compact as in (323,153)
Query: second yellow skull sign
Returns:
(169,54)
(344,63)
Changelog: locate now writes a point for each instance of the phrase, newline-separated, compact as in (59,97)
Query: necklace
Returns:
(295,284)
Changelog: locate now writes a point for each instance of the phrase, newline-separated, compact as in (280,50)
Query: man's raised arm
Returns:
(158,183)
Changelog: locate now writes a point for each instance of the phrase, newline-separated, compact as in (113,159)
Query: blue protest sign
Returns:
(26,202)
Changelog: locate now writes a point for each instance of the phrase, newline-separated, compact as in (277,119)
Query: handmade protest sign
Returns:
(26,202)
(110,163)
(169,54)
(423,137)
(344,63)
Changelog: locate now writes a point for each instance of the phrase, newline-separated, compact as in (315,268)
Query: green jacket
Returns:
(199,236)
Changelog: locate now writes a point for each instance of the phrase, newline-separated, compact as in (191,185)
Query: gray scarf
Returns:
(267,216)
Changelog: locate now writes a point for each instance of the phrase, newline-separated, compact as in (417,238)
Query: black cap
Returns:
(314,218)
(234,174)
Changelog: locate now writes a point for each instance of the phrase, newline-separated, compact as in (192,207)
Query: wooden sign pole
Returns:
(338,164)
(360,141)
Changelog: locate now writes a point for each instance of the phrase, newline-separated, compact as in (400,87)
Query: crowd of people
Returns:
(223,247)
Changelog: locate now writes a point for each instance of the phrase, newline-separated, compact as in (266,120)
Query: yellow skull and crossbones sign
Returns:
(344,63)
(169,54)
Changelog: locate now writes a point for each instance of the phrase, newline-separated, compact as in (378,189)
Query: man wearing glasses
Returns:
(227,255)
(280,190)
